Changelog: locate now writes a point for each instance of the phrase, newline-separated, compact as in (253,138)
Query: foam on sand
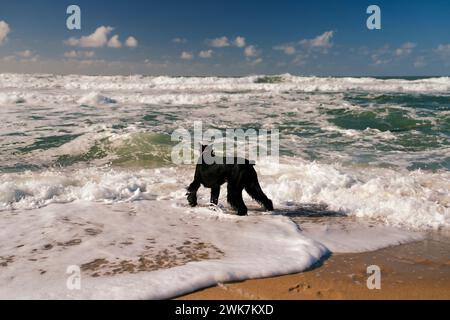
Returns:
(133,237)
(152,249)
(344,235)
(143,250)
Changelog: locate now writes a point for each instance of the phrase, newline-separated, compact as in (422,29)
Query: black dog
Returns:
(239,175)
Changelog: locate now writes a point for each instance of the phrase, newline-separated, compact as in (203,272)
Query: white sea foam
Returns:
(193,84)
(383,135)
(40,89)
(73,117)
(303,106)
(400,198)
(33,190)
(11,98)
(95,98)
(419,200)
(79,233)
(184,249)
(345,235)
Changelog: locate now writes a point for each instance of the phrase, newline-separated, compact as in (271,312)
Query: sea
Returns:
(92,205)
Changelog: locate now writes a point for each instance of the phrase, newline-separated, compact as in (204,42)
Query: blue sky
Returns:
(230,37)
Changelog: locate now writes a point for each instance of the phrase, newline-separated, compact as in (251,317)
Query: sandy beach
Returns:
(419,270)
(160,151)
(90,189)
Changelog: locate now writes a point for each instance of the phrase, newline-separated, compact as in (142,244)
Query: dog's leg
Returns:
(215,193)
(254,190)
(231,196)
(241,207)
(192,191)
(192,194)
(234,197)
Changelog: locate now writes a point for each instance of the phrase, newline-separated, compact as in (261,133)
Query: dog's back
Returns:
(239,173)
(226,169)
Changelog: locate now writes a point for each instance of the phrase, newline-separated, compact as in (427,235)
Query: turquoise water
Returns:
(366,147)
(353,125)
(86,175)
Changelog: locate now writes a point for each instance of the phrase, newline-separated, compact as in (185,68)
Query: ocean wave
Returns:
(11,98)
(34,190)
(412,199)
(417,199)
(95,98)
(195,84)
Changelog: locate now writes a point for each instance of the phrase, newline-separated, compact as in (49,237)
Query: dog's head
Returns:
(203,147)
(207,150)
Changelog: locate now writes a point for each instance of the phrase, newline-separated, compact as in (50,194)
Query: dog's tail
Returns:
(253,188)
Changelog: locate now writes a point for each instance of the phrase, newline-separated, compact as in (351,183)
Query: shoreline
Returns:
(417,270)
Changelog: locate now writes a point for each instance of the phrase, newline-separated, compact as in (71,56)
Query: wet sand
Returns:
(419,270)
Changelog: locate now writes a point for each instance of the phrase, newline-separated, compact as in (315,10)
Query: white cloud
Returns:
(8,59)
(363,50)
(288,49)
(71,54)
(239,42)
(256,61)
(322,41)
(97,39)
(420,62)
(443,50)
(382,55)
(22,56)
(379,62)
(187,55)
(33,58)
(320,44)
(114,42)
(300,59)
(250,51)
(205,54)
(79,54)
(92,62)
(405,49)
(4,31)
(386,54)
(25,53)
(151,64)
(179,40)
(219,42)
(131,42)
